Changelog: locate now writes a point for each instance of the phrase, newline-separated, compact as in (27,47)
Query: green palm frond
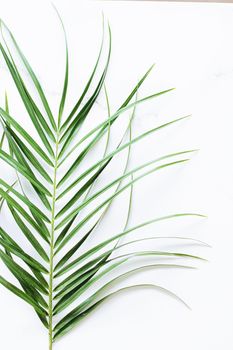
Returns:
(49,213)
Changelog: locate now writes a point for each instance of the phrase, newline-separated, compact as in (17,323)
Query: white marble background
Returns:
(192,46)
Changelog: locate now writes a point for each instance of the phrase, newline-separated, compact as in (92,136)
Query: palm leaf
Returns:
(47,286)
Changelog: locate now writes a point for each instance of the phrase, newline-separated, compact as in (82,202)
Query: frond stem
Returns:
(52,246)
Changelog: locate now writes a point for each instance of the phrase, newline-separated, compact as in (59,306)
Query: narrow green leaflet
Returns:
(25,257)
(80,192)
(25,200)
(80,280)
(79,275)
(65,84)
(23,273)
(16,152)
(73,286)
(36,273)
(105,160)
(33,77)
(81,116)
(25,135)
(18,155)
(104,125)
(100,246)
(76,313)
(28,234)
(73,295)
(24,96)
(65,230)
(99,207)
(2,140)
(105,256)
(95,140)
(67,227)
(74,317)
(30,156)
(35,108)
(13,163)
(2,199)
(22,295)
(20,209)
(32,292)
(107,187)
(75,108)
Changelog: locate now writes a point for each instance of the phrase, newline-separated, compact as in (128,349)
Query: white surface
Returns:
(191,45)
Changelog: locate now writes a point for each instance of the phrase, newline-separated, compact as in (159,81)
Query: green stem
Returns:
(52,247)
